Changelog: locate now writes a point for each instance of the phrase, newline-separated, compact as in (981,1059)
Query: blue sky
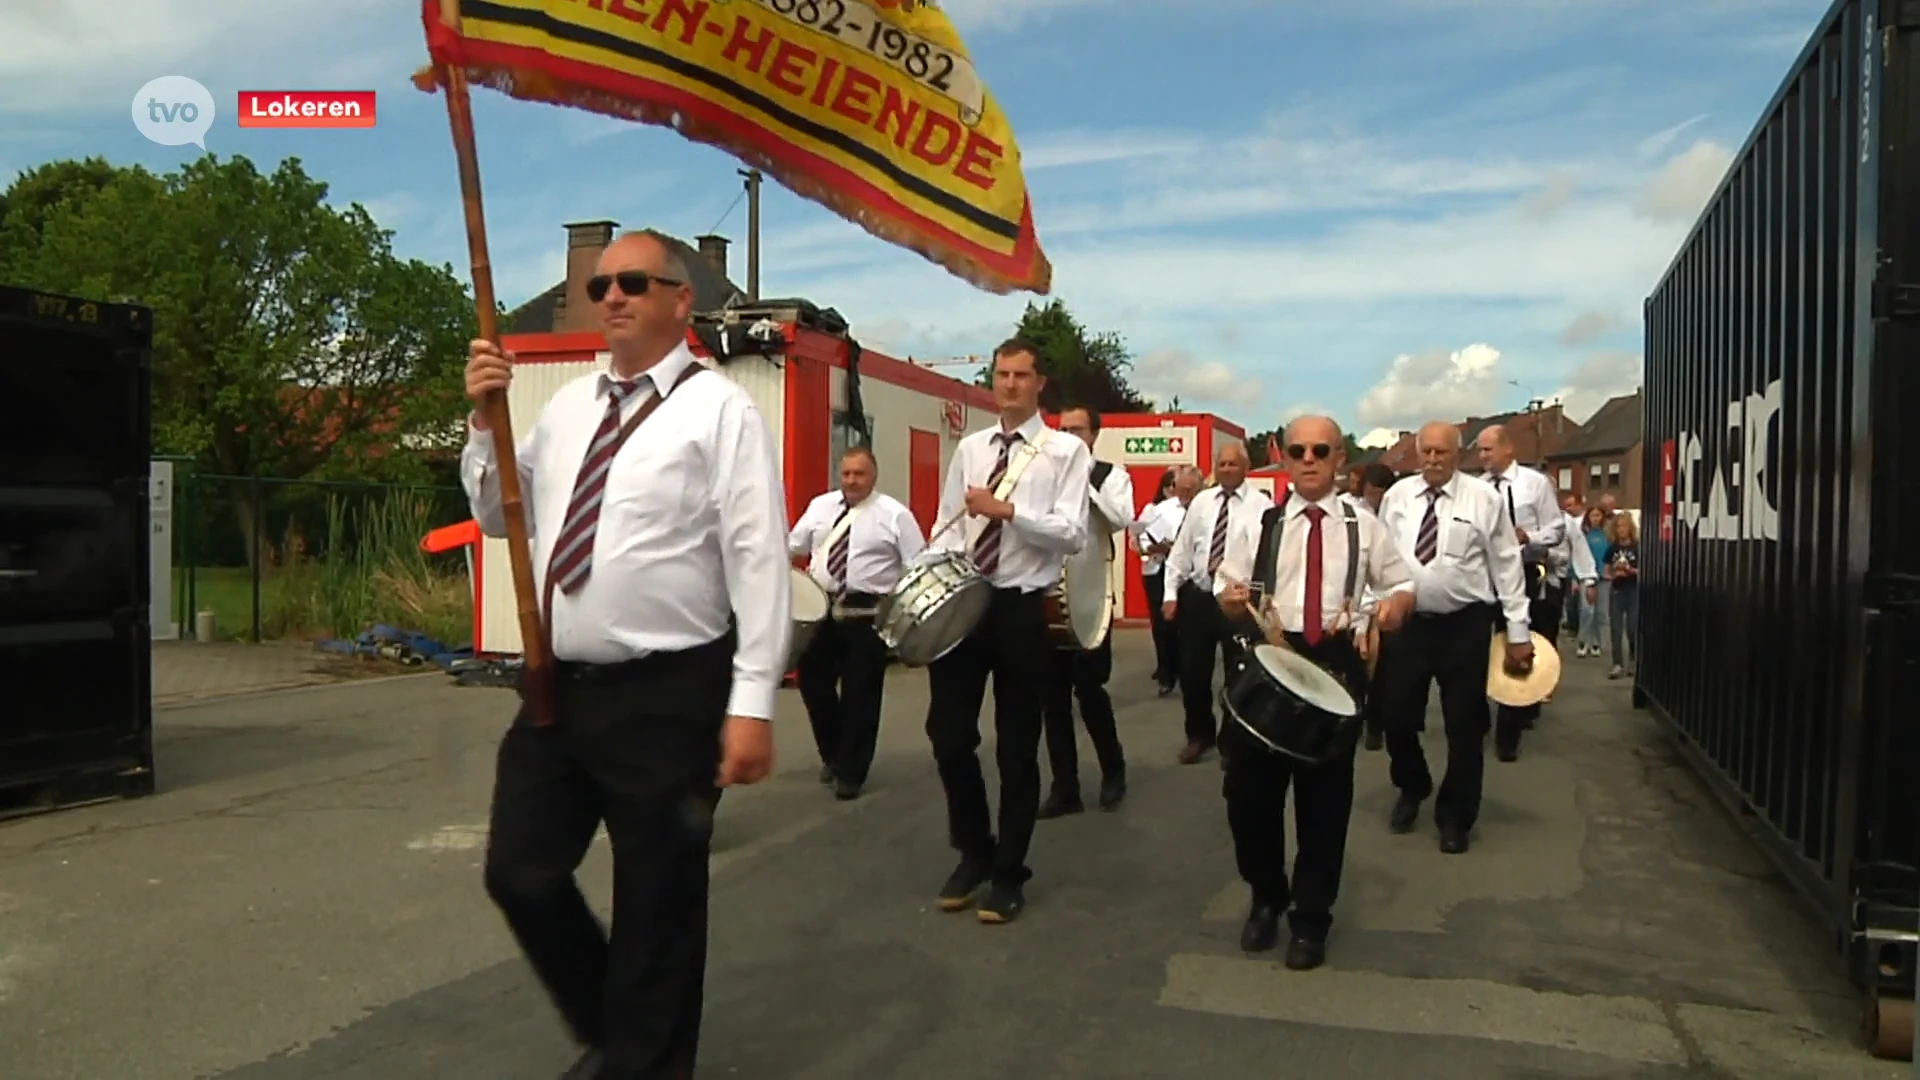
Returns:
(1388,210)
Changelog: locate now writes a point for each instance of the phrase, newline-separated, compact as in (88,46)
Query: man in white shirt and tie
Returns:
(1319,553)
(1191,566)
(1453,533)
(1533,511)
(858,541)
(1083,673)
(1020,545)
(1156,528)
(667,598)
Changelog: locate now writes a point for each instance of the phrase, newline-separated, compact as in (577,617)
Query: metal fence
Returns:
(272,558)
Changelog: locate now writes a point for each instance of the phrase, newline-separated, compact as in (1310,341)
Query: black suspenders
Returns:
(1271,524)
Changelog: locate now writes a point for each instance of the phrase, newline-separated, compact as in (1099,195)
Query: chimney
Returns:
(714,250)
(585,241)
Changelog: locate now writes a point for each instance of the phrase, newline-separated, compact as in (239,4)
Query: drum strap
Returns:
(1271,524)
(1016,468)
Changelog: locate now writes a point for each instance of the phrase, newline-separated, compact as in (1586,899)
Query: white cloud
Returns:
(1684,184)
(1379,438)
(1597,378)
(1434,385)
(1657,143)
(1590,326)
(1166,373)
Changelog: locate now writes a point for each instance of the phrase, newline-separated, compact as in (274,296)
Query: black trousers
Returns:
(1256,785)
(635,746)
(1204,635)
(842,678)
(1166,637)
(1544,616)
(1010,646)
(1081,674)
(1451,650)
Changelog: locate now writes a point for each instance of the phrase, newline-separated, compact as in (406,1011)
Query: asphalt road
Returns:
(303,900)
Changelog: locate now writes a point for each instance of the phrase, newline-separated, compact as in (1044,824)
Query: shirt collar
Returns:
(1298,503)
(660,376)
(1028,431)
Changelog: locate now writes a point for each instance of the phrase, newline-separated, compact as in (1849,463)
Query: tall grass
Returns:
(373,571)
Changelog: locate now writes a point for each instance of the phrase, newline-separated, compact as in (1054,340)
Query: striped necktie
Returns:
(986,550)
(1427,545)
(837,555)
(1218,549)
(572,561)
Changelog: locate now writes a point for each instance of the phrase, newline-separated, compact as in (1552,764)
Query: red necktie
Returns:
(1310,613)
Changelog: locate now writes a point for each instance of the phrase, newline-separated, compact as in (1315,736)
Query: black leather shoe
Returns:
(826,774)
(1003,904)
(1058,805)
(965,880)
(1113,790)
(1262,929)
(1453,840)
(1507,751)
(845,790)
(1304,954)
(1406,811)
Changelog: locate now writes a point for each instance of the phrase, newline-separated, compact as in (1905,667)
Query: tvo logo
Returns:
(174,110)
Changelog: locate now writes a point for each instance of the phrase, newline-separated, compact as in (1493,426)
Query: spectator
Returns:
(1623,571)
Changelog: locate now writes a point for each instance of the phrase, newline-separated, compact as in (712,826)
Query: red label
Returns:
(1666,489)
(306,108)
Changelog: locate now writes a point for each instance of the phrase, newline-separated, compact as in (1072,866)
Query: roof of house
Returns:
(1614,427)
(712,291)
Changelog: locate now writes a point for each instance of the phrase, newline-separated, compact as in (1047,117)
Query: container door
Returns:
(923,477)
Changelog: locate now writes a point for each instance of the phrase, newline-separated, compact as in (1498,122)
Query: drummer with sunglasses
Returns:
(1312,609)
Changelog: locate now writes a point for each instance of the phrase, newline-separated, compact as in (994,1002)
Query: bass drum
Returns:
(932,610)
(810,607)
(1080,609)
(1291,706)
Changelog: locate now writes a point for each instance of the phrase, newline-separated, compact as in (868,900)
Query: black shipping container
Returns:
(75,640)
(1781,561)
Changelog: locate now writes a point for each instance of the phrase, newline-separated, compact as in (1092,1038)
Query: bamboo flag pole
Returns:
(536,679)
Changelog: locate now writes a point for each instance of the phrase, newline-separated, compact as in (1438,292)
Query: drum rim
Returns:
(1351,706)
(1226,706)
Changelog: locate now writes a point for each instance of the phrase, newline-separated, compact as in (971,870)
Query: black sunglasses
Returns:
(632,283)
(1298,451)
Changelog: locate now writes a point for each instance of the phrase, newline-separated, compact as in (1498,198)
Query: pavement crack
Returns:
(1697,1059)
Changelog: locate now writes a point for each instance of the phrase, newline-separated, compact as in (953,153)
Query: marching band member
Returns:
(1191,568)
(1020,548)
(1534,514)
(668,608)
(860,542)
(1375,479)
(1313,606)
(1453,533)
(1155,530)
(1083,673)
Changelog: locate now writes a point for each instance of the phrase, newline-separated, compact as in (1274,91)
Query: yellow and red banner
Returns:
(871,108)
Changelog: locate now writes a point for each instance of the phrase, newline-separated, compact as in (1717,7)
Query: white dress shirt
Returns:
(882,540)
(1049,519)
(1157,524)
(1382,570)
(1477,557)
(1114,499)
(1532,505)
(1187,563)
(689,531)
(1573,553)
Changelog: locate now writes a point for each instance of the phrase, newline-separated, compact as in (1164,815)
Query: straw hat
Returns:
(1518,691)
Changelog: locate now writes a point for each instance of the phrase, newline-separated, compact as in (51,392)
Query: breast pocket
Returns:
(655,484)
(1458,541)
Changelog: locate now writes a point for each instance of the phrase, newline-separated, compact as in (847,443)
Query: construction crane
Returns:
(952,361)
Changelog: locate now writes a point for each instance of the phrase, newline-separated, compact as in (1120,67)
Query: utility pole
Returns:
(753,178)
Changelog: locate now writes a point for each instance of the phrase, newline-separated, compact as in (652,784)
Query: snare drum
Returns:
(933,608)
(1291,705)
(810,607)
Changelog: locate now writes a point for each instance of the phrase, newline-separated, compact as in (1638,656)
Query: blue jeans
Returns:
(1593,617)
(1625,617)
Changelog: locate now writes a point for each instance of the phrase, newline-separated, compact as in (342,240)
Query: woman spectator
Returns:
(1623,573)
(1593,617)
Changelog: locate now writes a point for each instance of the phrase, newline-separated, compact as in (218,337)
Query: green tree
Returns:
(1084,368)
(289,340)
(38,192)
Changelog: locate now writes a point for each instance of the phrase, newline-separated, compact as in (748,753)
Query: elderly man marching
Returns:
(1312,555)
(859,541)
(1533,513)
(1192,569)
(1453,532)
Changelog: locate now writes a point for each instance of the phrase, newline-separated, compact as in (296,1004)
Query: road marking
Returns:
(451,838)
(1629,1029)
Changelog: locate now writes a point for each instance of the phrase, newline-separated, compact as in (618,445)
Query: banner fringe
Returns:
(533,85)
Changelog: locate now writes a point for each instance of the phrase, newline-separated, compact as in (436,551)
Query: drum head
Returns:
(810,602)
(1087,593)
(1307,681)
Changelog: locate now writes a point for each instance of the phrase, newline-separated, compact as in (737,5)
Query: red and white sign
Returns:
(306,108)
(956,414)
(1666,489)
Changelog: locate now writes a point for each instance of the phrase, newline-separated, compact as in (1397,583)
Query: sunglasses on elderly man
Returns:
(632,283)
(1298,451)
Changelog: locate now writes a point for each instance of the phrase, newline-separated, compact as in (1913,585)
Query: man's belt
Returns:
(855,605)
